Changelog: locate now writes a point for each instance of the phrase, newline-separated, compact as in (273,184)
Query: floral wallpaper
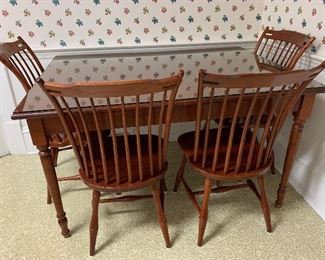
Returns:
(298,15)
(94,23)
(143,66)
(101,67)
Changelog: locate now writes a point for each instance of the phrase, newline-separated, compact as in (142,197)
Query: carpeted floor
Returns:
(235,229)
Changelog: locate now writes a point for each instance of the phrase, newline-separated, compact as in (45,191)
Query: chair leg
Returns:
(180,173)
(93,228)
(49,197)
(54,154)
(163,182)
(162,195)
(265,204)
(273,167)
(161,214)
(204,210)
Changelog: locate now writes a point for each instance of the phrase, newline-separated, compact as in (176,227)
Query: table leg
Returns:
(300,117)
(52,182)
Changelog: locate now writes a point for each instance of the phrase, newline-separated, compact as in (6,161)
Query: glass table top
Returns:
(105,67)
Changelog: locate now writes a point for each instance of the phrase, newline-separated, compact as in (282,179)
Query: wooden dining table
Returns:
(43,120)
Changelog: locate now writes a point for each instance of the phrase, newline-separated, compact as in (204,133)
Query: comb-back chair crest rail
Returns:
(281,50)
(282,47)
(239,151)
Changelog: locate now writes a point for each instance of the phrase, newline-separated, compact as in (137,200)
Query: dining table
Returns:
(43,121)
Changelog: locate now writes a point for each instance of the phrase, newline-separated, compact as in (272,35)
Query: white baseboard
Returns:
(307,176)
(14,138)
(306,180)
(30,148)
(3,144)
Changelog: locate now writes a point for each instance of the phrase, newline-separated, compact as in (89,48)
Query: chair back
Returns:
(19,58)
(140,106)
(256,106)
(282,47)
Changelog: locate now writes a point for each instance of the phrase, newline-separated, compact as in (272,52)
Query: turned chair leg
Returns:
(49,197)
(180,173)
(204,210)
(93,228)
(161,214)
(265,204)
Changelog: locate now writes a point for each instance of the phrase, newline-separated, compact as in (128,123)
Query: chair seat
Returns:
(186,142)
(125,184)
(59,140)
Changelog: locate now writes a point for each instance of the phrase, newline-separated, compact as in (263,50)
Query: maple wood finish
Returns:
(282,47)
(19,58)
(243,149)
(280,50)
(43,120)
(124,162)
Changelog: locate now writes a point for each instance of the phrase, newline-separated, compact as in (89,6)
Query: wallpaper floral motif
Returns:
(298,15)
(93,23)
(97,68)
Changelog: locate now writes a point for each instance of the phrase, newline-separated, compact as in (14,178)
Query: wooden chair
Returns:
(283,47)
(124,162)
(19,58)
(281,50)
(231,153)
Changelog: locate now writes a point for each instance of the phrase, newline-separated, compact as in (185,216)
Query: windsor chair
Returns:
(20,59)
(241,151)
(125,161)
(283,48)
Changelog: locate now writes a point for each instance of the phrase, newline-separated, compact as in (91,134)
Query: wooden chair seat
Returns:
(59,140)
(20,59)
(271,56)
(123,161)
(240,148)
(186,143)
(280,50)
(62,140)
(124,184)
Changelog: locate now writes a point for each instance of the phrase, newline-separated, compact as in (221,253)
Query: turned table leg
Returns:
(52,182)
(300,117)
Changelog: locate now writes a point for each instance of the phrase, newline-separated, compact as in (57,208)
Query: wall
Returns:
(298,15)
(67,26)
(308,175)
(70,25)
(3,144)
(74,23)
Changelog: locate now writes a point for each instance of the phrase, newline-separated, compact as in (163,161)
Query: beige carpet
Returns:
(235,229)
